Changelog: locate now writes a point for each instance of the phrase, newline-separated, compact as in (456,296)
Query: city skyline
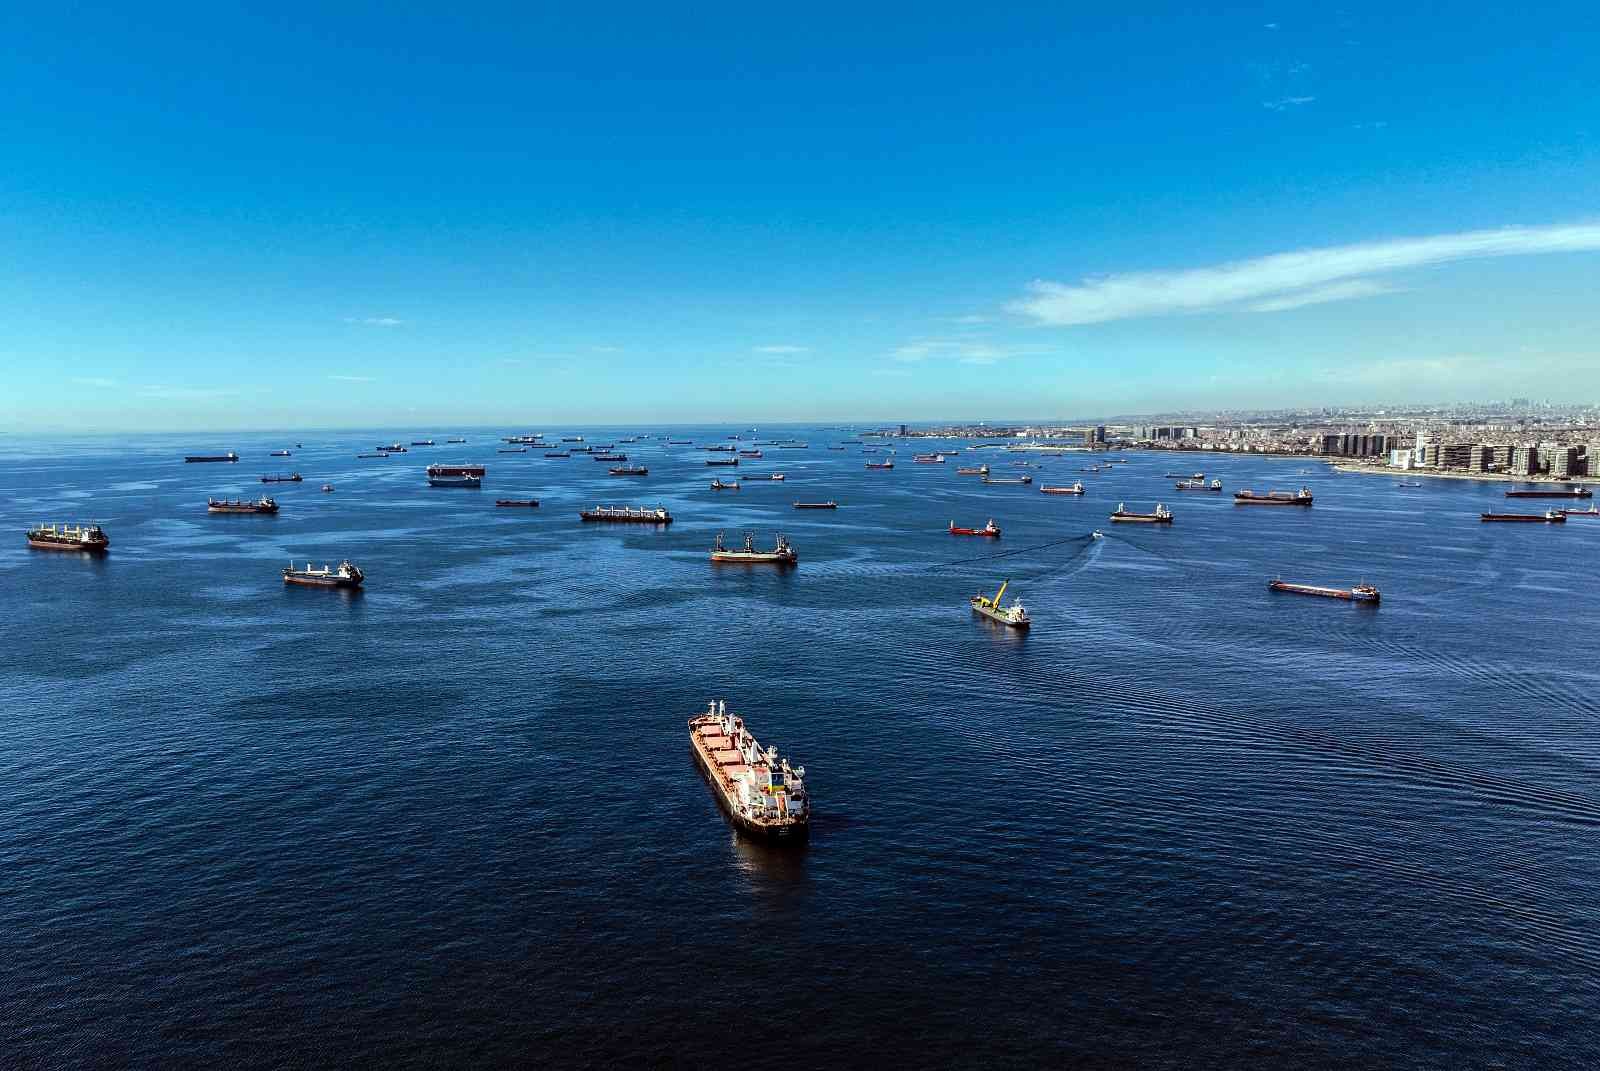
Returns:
(236,221)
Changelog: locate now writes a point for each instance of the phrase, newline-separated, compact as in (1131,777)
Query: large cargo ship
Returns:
(344,575)
(628,470)
(455,475)
(1248,497)
(292,477)
(981,470)
(1075,489)
(718,485)
(1162,515)
(781,554)
(1557,492)
(1013,615)
(816,505)
(991,530)
(880,464)
(531,503)
(1359,593)
(239,505)
(82,537)
(1199,485)
(193,459)
(627,515)
(1024,480)
(762,794)
(1549,516)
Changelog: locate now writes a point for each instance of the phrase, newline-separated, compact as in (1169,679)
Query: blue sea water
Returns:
(453,819)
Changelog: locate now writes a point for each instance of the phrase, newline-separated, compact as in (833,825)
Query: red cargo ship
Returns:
(991,530)
(763,794)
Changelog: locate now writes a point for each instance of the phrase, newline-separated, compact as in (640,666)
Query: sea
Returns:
(453,819)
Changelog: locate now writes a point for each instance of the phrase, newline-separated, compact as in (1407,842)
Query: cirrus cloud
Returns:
(1285,280)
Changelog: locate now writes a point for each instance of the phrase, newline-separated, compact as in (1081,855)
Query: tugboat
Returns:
(1075,489)
(628,470)
(531,503)
(718,485)
(1162,515)
(626,515)
(782,554)
(1013,615)
(817,505)
(1199,485)
(1247,497)
(1549,516)
(1359,593)
(81,537)
(293,477)
(880,464)
(981,470)
(762,794)
(991,530)
(345,575)
(239,505)
(193,459)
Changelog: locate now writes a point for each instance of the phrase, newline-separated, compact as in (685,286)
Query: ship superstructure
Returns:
(762,793)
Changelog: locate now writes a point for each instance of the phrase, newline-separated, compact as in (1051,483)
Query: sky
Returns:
(246,217)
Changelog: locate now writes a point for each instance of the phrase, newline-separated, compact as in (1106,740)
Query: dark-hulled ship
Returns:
(626,515)
(344,575)
(88,538)
(240,505)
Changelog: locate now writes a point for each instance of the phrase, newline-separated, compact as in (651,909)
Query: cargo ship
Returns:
(1359,593)
(293,477)
(455,475)
(816,505)
(1024,480)
(680,442)
(239,505)
(781,554)
(1162,515)
(280,453)
(628,470)
(981,470)
(1248,497)
(557,453)
(194,459)
(768,476)
(344,575)
(529,503)
(722,461)
(1592,511)
(990,529)
(752,454)
(1560,492)
(1199,485)
(82,537)
(1075,489)
(718,485)
(456,440)
(372,455)
(1013,615)
(928,459)
(1549,516)
(762,794)
(392,448)
(421,442)
(880,464)
(572,438)
(627,515)
(608,457)
(512,450)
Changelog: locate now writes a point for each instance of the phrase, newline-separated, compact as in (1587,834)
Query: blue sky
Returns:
(217,218)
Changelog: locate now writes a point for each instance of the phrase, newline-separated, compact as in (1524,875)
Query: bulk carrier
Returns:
(1360,593)
(83,537)
(455,475)
(345,575)
(239,505)
(782,554)
(626,515)
(762,794)
(1162,515)
(1559,492)
(1248,497)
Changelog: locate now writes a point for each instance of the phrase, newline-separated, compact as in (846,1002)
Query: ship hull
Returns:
(1000,619)
(740,558)
(322,582)
(1523,518)
(1138,519)
(1237,501)
(1549,494)
(239,509)
(455,481)
(81,548)
(790,831)
(594,519)
(1327,593)
(1058,491)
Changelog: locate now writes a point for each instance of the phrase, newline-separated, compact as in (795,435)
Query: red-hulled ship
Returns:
(1360,593)
(81,537)
(991,530)
(763,795)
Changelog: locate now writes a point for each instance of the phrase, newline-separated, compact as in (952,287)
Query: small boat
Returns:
(293,477)
(626,515)
(194,459)
(981,470)
(89,538)
(1549,516)
(239,505)
(991,530)
(1162,515)
(1013,615)
(1017,480)
(344,575)
(1248,497)
(327,487)
(816,505)
(1097,534)
(763,795)
(1198,485)
(1075,489)
(557,453)
(529,503)
(280,453)
(628,470)
(718,485)
(1360,593)
(880,464)
(782,554)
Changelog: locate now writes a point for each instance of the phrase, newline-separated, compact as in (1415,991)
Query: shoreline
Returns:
(1487,477)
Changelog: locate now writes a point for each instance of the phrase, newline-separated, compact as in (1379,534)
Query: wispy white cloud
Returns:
(374,321)
(170,393)
(94,381)
(352,379)
(1285,280)
(782,350)
(1283,103)
(967,351)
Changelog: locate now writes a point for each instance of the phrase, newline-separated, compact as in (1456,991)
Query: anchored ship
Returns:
(557,453)
(816,505)
(421,442)
(782,554)
(344,575)
(1559,492)
(991,530)
(768,476)
(1592,511)
(608,457)
(280,453)
(1549,516)
(722,461)
(293,477)
(1359,593)
(928,459)
(1011,480)
(628,470)
(83,537)
(718,485)
(1162,515)
(1075,489)
(763,794)
(1199,485)
(1013,615)
(627,515)
(531,503)
(880,464)
(981,470)
(1248,497)
(193,459)
(239,505)
(750,453)
(455,475)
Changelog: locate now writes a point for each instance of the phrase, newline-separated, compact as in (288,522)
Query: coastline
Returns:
(1488,477)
